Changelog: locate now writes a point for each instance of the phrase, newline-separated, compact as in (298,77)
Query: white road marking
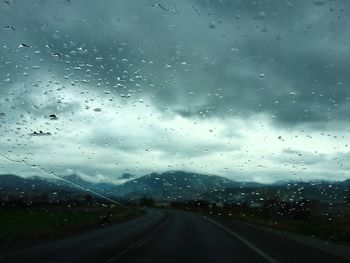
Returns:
(243,240)
(137,244)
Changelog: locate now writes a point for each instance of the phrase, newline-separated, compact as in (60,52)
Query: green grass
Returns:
(27,224)
(336,230)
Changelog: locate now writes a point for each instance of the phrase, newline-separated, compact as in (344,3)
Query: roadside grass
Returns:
(336,230)
(28,225)
(333,228)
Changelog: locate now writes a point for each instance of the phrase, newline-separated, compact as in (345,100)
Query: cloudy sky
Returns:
(249,90)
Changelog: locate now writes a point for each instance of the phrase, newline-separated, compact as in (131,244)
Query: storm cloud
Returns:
(217,86)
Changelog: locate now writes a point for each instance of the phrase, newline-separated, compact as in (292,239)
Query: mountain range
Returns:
(178,185)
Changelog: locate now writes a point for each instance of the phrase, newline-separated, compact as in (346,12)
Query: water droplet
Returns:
(318,3)
(212,25)
(260,16)
(53,117)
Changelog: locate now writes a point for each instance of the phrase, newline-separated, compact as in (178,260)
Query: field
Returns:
(335,230)
(21,225)
(320,223)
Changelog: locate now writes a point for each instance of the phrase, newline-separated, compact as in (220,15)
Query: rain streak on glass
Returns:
(233,109)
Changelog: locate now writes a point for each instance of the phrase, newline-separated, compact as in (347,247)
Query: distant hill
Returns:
(10,182)
(14,187)
(107,189)
(178,185)
(175,185)
(20,187)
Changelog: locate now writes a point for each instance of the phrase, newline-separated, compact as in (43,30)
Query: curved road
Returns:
(173,236)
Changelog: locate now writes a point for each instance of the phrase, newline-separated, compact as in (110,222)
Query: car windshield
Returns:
(174,131)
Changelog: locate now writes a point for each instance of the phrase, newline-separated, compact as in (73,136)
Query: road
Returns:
(173,236)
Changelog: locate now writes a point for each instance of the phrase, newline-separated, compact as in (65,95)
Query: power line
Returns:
(64,179)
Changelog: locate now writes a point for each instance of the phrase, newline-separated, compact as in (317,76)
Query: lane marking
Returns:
(58,241)
(128,249)
(139,242)
(243,240)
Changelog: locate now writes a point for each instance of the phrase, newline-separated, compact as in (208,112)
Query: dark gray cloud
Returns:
(203,61)
(287,59)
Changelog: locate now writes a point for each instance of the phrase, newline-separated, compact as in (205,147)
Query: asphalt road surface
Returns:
(173,236)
